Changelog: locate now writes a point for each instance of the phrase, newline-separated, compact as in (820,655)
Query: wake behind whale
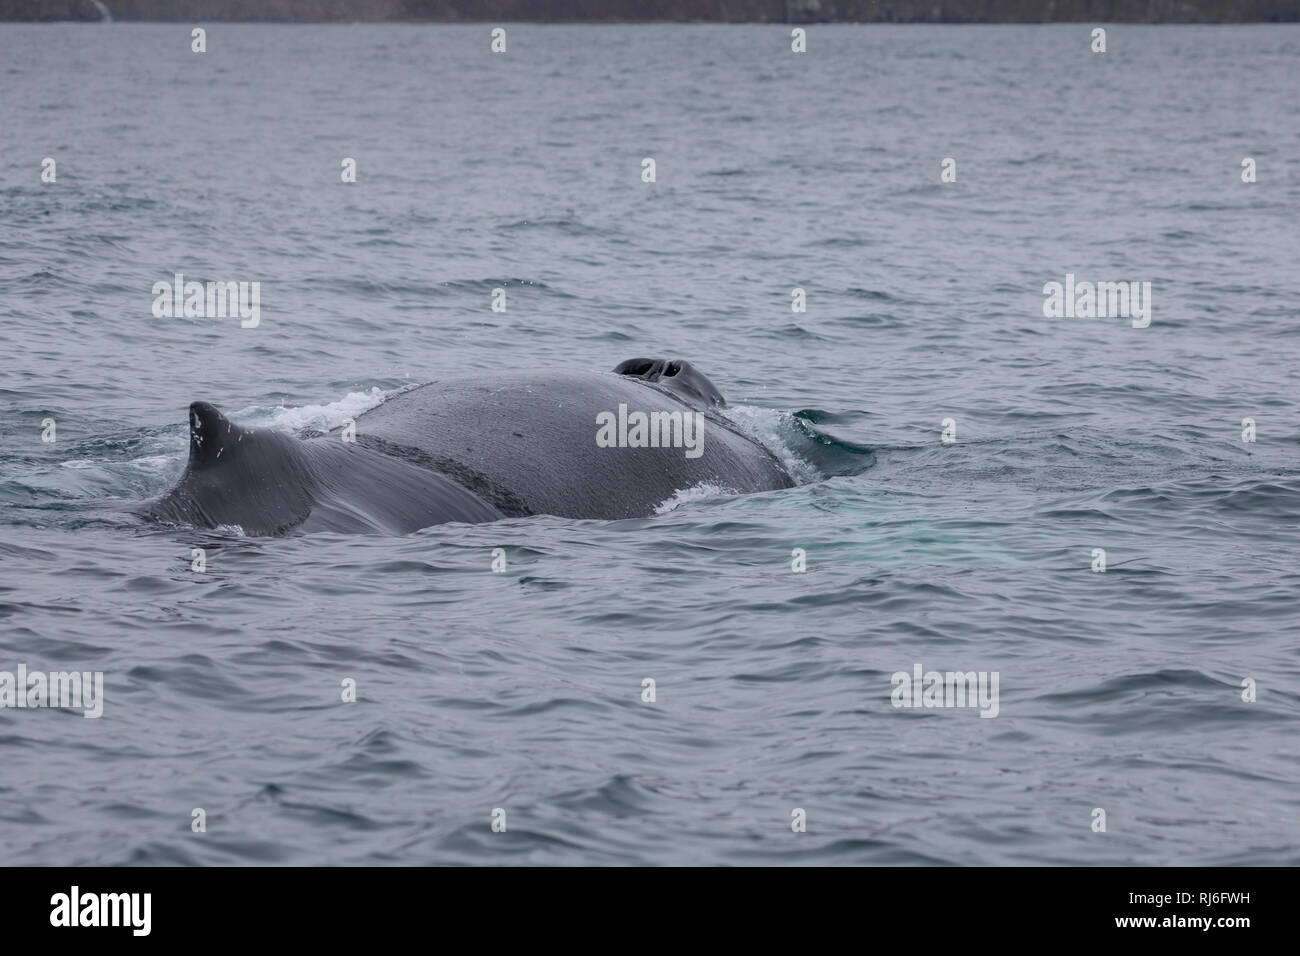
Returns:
(473,449)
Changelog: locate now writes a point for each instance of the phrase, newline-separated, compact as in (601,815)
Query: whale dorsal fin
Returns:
(212,435)
(675,375)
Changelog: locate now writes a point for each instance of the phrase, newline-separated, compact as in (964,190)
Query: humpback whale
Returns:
(474,448)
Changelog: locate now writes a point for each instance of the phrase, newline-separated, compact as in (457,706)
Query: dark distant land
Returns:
(610,11)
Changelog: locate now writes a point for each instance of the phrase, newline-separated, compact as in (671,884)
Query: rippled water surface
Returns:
(522,690)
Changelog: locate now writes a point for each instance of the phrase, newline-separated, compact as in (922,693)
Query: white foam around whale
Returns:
(768,427)
(702,492)
(329,415)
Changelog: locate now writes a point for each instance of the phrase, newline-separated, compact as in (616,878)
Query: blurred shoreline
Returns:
(626,11)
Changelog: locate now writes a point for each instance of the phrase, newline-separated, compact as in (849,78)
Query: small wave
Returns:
(147,463)
(153,462)
(704,491)
(874,295)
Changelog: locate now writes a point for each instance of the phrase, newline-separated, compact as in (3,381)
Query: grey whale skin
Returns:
(472,449)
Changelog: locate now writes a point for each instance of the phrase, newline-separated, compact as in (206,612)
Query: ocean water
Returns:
(1119,690)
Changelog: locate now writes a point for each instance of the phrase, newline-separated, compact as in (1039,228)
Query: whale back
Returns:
(264,482)
(471,449)
(677,376)
(254,479)
(526,442)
